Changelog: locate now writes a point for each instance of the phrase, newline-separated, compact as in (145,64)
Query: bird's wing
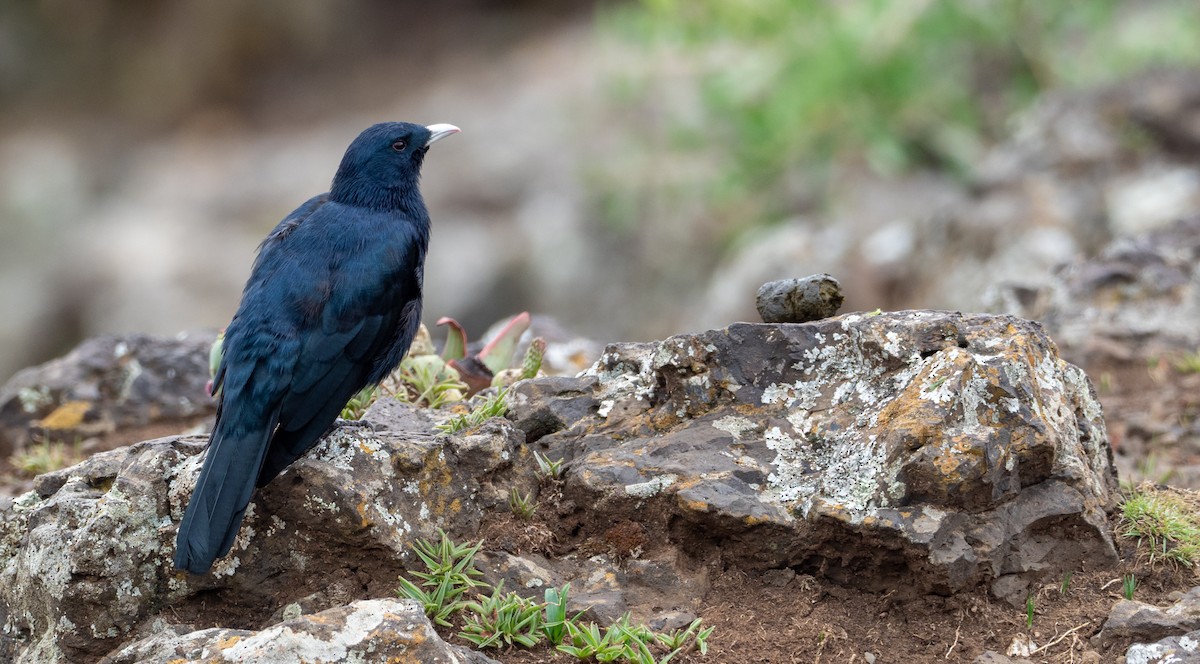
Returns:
(362,321)
(252,377)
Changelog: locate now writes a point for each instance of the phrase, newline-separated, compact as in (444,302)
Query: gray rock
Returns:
(799,300)
(1182,649)
(369,630)
(86,561)
(993,657)
(1131,621)
(546,405)
(601,587)
(106,385)
(944,448)
(1142,290)
(1133,307)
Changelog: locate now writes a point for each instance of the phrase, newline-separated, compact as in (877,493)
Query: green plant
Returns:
(588,641)
(1128,585)
(522,506)
(1030,609)
(495,405)
(679,638)
(548,469)
(426,380)
(554,624)
(450,572)
(358,404)
(1188,363)
(761,96)
(1066,583)
(43,457)
(1164,522)
(482,370)
(499,617)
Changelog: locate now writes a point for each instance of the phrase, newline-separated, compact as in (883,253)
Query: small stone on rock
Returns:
(799,300)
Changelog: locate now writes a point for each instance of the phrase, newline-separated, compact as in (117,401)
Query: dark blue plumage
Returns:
(331,306)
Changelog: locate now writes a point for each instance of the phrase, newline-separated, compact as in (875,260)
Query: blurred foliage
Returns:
(787,87)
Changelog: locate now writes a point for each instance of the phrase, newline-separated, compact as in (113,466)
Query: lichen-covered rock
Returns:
(1131,621)
(107,384)
(377,630)
(933,449)
(1182,649)
(86,558)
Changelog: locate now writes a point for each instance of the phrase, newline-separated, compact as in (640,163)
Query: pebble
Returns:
(799,300)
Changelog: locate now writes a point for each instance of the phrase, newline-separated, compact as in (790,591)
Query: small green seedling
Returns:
(1066,583)
(522,507)
(1030,609)
(554,624)
(494,406)
(589,642)
(1128,585)
(548,469)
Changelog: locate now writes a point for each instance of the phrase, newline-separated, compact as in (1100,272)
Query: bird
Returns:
(331,305)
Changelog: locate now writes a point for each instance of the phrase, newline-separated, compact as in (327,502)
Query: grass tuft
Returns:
(1165,522)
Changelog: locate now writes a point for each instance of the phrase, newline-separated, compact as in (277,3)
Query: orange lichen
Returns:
(67,416)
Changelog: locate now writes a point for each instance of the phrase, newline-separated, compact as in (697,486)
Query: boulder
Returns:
(85,559)
(106,385)
(369,630)
(933,451)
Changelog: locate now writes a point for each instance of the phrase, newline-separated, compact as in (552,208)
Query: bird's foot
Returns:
(339,423)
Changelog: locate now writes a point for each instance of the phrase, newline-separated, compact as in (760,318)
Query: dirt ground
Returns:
(787,617)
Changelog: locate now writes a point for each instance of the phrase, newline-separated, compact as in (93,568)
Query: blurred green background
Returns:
(631,168)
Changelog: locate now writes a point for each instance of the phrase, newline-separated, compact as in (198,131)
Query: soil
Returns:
(781,616)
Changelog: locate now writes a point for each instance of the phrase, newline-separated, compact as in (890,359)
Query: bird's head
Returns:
(384,162)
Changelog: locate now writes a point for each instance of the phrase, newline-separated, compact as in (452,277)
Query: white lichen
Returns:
(652,487)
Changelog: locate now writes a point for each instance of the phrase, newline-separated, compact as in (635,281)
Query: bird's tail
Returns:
(218,503)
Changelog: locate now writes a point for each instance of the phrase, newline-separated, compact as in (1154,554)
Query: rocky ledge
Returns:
(928,451)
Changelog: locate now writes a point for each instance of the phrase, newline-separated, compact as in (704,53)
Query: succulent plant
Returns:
(428,379)
(214,361)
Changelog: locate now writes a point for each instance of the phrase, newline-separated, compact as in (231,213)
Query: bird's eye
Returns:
(399,145)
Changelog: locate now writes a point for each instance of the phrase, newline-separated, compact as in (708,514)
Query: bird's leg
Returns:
(354,424)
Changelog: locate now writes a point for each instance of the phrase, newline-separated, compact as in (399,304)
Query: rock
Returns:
(1183,649)
(369,630)
(993,657)
(1142,289)
(1131,621)
(603,588)
(106,385)
(86,560)
(799,300)
(928,450)
(1166,104)
(546,405)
